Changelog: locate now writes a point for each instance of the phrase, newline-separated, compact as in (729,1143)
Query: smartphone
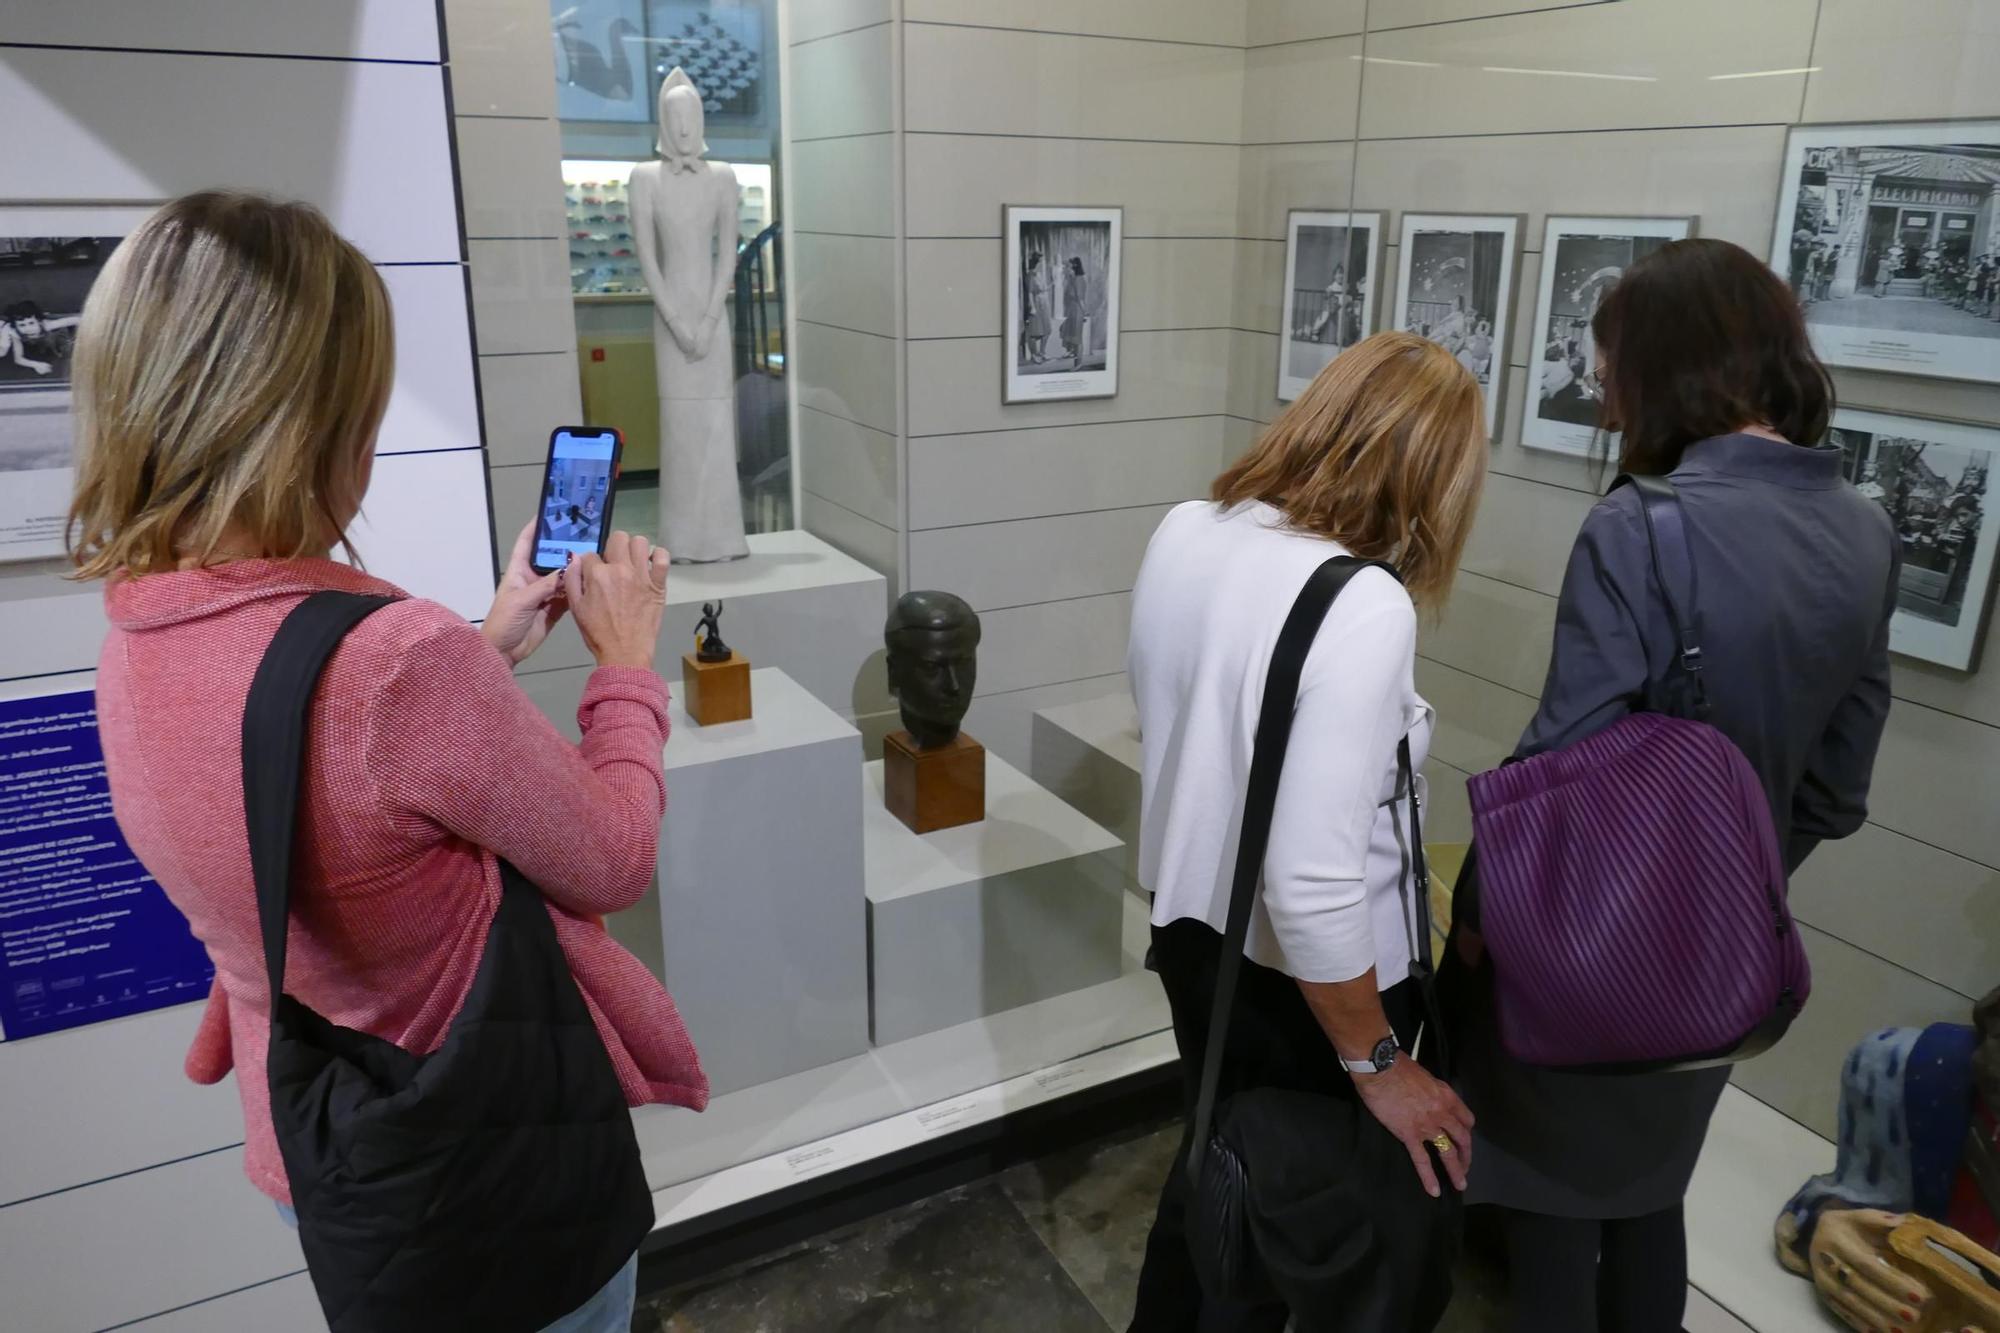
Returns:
(581,480)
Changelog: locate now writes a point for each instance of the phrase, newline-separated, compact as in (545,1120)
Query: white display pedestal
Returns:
(761,910)
(969,921)
(796,604)
(1087,753)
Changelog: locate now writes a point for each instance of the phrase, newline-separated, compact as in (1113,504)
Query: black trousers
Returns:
(1273,1042)
(1582,1275)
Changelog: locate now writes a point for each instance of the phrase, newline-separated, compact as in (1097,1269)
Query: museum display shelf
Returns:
(969,921)
(761,917)
(1087,753)
(796,603)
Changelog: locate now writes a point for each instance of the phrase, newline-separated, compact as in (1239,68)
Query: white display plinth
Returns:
(969,921)
(796,604)
(1087,753)
(762,916)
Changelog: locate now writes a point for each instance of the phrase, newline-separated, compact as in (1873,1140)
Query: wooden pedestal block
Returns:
(714,692)
(934,789)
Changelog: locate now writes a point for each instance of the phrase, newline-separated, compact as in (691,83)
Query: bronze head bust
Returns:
(933,640)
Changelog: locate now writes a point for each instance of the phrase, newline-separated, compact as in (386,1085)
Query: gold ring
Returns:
(1443,1142)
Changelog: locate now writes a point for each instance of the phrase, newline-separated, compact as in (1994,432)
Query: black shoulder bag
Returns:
(493,1184)
(1303,1196)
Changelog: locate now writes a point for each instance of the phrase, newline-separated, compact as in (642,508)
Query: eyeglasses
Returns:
(1596,380)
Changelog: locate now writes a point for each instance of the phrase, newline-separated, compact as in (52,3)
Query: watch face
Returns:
(1384,1055)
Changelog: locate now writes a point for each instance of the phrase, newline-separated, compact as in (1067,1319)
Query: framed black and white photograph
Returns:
(1061,278)
(1934,478)
(1890,238)
(49,257)
(1582,259)
(1330,268)
(1455,286)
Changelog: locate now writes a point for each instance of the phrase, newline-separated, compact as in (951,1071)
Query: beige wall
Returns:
(1207,122)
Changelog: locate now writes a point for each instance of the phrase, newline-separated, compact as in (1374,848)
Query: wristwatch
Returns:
(1379,1061)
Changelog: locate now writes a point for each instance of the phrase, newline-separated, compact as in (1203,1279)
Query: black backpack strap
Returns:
(1673,569)
(274,744)
(1274,733)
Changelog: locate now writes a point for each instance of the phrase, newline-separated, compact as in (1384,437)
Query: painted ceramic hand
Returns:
(1851,1269)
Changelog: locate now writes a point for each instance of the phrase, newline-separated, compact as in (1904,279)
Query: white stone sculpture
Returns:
(684,221)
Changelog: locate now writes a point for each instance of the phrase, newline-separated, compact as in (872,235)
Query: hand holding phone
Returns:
(526,605)
(579,483)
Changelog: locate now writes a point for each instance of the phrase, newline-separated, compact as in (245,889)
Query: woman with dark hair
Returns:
(1704,364)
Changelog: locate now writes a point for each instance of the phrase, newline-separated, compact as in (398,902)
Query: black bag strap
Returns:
(274,745)
(1274,733)
(1673,569)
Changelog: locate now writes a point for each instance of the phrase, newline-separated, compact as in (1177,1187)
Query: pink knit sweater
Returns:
(425,764)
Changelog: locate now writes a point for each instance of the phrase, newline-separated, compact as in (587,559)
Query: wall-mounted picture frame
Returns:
(1332,265)
(49,258)
(1455,286)
(1061,272)
(1889,235)
(1582,259)
(1934,478)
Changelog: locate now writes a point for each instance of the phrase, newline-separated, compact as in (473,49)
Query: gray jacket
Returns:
(1794,582)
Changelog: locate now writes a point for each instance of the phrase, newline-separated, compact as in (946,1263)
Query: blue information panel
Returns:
(85,932)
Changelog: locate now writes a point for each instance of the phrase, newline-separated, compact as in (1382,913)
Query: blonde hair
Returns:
(232,367)
(1383,453)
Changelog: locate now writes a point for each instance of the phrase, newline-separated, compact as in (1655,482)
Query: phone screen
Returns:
(577,490)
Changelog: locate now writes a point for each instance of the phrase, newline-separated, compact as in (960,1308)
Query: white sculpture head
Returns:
(681,121)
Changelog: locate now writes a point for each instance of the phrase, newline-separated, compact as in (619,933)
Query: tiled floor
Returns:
(1052,1245)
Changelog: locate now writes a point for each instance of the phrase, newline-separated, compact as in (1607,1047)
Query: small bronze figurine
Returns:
(708,643)
(933,641)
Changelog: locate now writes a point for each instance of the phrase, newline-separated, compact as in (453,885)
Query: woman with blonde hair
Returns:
(1381,458)
(232,370)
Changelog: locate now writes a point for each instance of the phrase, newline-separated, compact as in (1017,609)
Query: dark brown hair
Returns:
(1701,338)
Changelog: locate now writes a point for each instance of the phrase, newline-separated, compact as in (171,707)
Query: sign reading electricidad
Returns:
(85,933)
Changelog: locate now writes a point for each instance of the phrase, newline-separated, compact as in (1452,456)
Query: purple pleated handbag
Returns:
(1631,891)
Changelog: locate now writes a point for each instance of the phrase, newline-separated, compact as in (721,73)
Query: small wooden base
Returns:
(716,692)
(934,789)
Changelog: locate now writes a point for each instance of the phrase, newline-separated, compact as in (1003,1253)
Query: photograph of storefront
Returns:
(1893,247)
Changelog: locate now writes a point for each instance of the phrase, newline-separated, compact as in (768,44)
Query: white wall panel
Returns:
(72,1117)
(1302,92)
(1666,173)
(1934,780)
(423,527)
(521,296)
(502,56)
(1890,895)
(967,180)
(1011,474)
(1854,994)
(866,540)
(999,81)
(1271,21)
(1415,13)
(994,565)
(140,128)
(1917,60)
(842,85)
(67,625)
(846,186)
(355,29)
(1278,178)
(1524,533)
(823,18)
(1638,63)
(1478,723)
(955,287)
(434,405)
(850,281)
(140,1245)
(510,176)
(287,1304)
(1218,22)
(1495,630)
(525,398)
(850,464)
(847,374)
(1025,646)
(955,384)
